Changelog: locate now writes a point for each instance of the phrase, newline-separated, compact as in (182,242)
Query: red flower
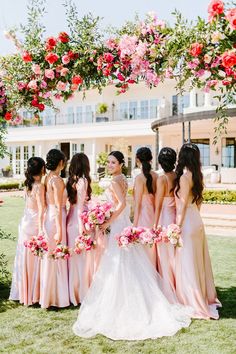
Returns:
(130,81)
(196,49)
(108,57)
(228,59)
(106,72)
(73,55)
(51,58)
(63,37)
(8,116)
(216,7)
(77,80)
(120,77)
(41,106)
(34,103)
(26,57)
(51,43)
(226,82)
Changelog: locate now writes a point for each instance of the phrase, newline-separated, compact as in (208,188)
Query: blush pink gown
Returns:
(194,278)
(146,219)
(82,266)
(54,273)
(166,251)
(26,273)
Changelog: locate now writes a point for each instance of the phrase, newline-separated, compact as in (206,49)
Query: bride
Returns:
(125,301)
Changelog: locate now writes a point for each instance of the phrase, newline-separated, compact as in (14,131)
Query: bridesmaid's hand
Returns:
(58,239)
(104,226)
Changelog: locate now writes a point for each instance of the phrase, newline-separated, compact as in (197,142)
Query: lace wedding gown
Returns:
(125,301)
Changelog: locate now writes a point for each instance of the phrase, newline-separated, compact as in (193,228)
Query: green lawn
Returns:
(33,330)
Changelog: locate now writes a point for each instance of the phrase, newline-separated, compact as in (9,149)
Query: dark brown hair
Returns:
(144,155)
(35,166)
(189,157)
(79,167)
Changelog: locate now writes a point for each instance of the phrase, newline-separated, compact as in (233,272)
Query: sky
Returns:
(114,12)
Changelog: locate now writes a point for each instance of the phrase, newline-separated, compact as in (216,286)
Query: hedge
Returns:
(12,185)
(224,197)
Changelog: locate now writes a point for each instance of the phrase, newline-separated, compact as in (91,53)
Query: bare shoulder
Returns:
(161,180)
(58,182)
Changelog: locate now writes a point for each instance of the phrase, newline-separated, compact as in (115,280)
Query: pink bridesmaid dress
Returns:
(54,273)
(83,266)
(194,278)
(166,251)
(25,285)
(146,219)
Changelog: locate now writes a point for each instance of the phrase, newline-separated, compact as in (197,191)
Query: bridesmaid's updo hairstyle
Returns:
(35,167)
(167,159)
(79,168)
(189,157)
(53,158)
(144,155)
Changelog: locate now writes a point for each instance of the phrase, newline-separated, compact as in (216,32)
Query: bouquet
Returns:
(129,235)
(150,236)
(172,234)
(96,215)
(84,242)
(38,245)
(61,252)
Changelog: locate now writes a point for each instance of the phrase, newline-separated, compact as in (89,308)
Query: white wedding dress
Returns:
(125,301)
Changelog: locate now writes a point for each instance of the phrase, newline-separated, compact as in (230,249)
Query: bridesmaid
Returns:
(54,274)
(82,266)
(26,274)
(144,191)
(194,278)
(165,214)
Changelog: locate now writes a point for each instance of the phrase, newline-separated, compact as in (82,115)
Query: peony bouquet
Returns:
(38,245)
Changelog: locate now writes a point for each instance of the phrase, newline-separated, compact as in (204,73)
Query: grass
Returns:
(33,330)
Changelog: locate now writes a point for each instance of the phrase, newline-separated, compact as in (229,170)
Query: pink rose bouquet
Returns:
(61,252)
(84,242)
(129,235)
(96,215)
(173,234)
(38,245)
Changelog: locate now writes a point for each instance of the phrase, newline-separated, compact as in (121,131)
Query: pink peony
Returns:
(21,85)
(43,84)
(33,85)
(65,59)
(228,59)
(61,86)
(216,7)
(64,71)
(36,69)
(49,74)
(127,45)
(231,17)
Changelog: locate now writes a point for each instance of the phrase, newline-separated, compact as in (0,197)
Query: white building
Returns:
(139,117)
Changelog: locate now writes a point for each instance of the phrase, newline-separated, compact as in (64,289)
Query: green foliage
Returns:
(96,189)
(10,185)
(225,196)
(3,132)
(102,108)
(102,159)
(4,273)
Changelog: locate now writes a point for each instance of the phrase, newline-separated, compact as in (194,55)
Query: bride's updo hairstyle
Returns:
(53,159)
(35,167)
(167,159)
(144,155)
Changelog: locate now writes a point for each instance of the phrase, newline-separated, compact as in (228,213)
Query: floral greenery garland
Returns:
(43,70)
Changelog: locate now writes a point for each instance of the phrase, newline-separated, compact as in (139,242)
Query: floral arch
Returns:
(201,55)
